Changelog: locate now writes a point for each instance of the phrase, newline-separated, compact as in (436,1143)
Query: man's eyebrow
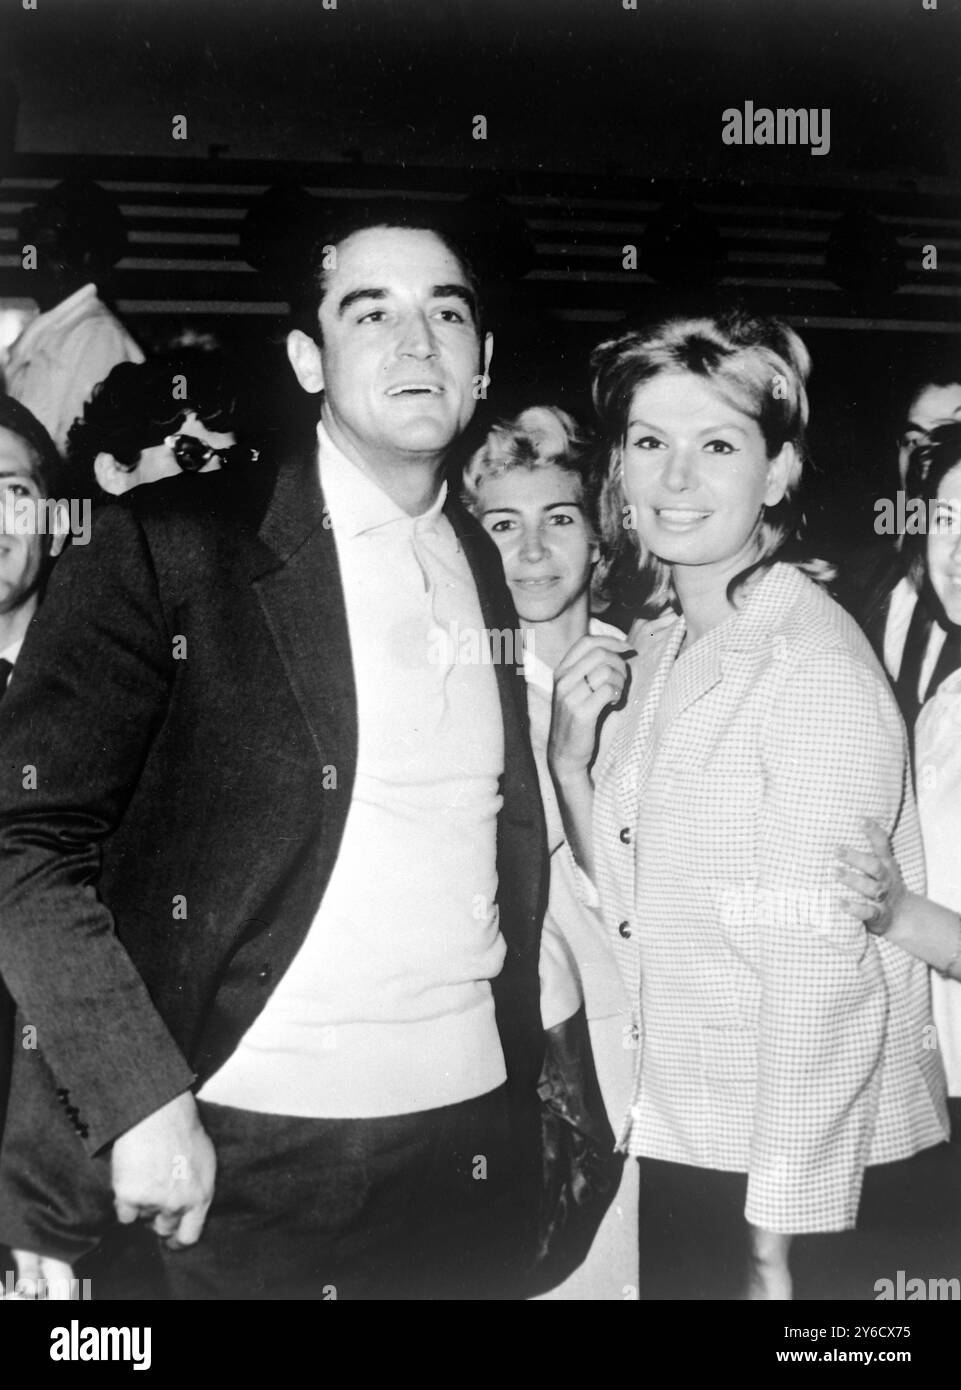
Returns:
(352,296)
(453,291)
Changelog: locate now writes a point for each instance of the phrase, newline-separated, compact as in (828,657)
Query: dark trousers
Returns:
(424,1206)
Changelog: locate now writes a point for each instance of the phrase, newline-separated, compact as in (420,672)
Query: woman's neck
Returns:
(552,640)
(702,592)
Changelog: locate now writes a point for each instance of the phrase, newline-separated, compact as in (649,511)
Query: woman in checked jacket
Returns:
(781,1047)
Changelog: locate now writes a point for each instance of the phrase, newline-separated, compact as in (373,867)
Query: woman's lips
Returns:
(680,518)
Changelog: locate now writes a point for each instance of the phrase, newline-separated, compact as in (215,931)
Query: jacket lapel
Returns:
(522,863)
(677,685)
(691,679)
(636,759)
(299,589)
(497,610)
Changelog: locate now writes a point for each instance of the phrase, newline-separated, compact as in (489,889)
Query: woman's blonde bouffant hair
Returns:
(542,436)
(758,365)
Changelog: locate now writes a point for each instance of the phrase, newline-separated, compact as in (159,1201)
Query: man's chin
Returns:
(423,437)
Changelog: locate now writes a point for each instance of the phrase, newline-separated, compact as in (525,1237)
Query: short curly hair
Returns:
(540,437)
(140,403)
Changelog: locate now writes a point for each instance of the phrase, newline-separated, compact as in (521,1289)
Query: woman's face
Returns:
(537,519)
(944,545)
(696,473)
(159,461)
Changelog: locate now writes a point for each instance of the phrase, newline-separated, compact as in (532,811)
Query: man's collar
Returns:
(355,503)
(13,651)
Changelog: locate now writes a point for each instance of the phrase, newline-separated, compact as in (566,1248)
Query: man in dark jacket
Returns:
(273,875)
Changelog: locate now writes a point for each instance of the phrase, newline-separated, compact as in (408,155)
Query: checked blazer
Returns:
(777,1037)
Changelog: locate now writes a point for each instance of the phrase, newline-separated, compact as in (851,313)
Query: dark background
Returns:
(604,129)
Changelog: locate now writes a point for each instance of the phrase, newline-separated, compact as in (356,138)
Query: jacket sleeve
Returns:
(833,752)
(88,694)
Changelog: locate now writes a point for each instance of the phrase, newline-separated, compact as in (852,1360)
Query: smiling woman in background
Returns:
(534,487)
(781,1046)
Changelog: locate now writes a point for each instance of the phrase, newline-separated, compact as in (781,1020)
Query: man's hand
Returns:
(163,1170)
(42,1277)
(769,1275)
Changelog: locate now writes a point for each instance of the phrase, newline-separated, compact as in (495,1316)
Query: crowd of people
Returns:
(339,961)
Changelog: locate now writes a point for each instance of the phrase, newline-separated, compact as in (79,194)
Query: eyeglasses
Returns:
(192,454)
(913,439)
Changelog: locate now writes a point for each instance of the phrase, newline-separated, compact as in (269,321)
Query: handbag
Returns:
(580,1171)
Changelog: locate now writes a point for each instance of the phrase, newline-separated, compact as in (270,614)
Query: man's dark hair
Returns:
(928,467)
(939,366)
(24,424)
(310,277)
(85,221)
(139,403)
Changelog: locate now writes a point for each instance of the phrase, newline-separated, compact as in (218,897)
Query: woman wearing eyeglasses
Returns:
(153,420)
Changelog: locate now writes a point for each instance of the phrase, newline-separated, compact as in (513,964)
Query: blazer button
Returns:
(264,973)
(625,930)
(625,835)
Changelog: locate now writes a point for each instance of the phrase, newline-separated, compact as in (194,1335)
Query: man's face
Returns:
(933,406)
(21,555)
(400,353)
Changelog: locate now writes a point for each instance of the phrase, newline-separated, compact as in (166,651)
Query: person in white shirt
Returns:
(335,1092)
(72,237)
(533,486)
(899,615)
(928,926)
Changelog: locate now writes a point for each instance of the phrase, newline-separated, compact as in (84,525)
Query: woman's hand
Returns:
(876,878)
(590,679)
